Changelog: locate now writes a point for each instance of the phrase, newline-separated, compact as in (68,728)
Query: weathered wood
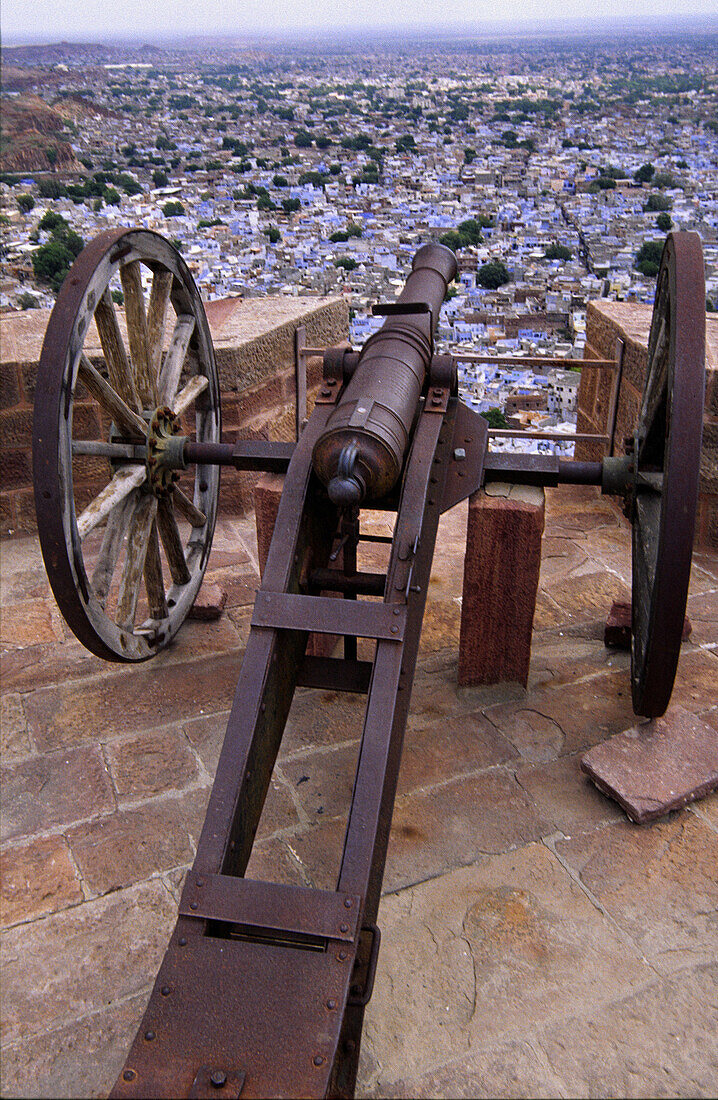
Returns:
(112,540)
(145,381)
(190,393)
(154,582)
(111,401)
(138,541)
(186,508)
(156,316)
(123,482)
(174,359)
(172,542)
(113,348)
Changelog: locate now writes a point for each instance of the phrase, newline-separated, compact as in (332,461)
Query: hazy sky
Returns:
(51,20)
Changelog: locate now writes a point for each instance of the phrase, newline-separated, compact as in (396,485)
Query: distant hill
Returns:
(93,52)
(32,139)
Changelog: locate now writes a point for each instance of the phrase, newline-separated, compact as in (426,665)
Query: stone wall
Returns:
(607,322)
(254,349)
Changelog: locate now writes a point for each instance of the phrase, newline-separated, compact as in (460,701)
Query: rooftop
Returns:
(534,941)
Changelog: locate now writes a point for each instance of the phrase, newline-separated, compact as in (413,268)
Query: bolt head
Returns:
(459,454)
(218,1078)
(149,1035)
(165,991)
(318,1060)
(129,1075)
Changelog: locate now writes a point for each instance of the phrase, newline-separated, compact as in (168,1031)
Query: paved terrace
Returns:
(534,942)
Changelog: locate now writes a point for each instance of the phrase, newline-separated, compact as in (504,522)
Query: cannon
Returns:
(263,987)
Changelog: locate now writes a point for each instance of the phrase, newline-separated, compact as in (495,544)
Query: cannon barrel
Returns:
(360,453)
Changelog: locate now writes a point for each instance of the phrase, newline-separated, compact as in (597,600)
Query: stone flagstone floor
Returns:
(534,942)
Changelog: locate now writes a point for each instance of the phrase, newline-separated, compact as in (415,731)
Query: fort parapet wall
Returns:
(607,322)
(254,349)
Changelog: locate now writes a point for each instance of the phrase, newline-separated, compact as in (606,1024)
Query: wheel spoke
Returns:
(156,315)
(186,508)
(190,393)
(174,359)
(137,543)
(124,481)
(117,524)
(113,348)
(153,576)
(172,542)
(111,401)
(137,332)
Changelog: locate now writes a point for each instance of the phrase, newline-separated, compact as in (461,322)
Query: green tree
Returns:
(173,209)
(657,201)
(492,275)
(303,139)
(273,234)
(25,203)
(51,262)
(280,181)
(648,258)
(495,418)
(347,262)
(557,251)
(663,179)
(289,206)
(160,178)
(664,222)
(469,155)
(644,173)
(27,301)
(111,196)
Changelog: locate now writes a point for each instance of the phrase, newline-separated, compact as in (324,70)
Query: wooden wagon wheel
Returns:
(125,563)
(667,450)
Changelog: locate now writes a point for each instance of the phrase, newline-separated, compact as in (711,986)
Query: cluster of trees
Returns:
(466,233)
(341,235)
(52,261)
(556,251)
(173,209)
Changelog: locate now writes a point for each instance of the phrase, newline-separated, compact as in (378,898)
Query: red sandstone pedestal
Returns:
(501,574)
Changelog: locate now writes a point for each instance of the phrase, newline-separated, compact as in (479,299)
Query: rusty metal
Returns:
(666,454)
(263,987)
(361,452)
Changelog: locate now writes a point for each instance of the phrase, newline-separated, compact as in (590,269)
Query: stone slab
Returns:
(37,878)
(209,603)
(83,959)
(150,763)
(660,1042)
(657,766)
(658,884)
(81,1059)
(477,957)
(54,791)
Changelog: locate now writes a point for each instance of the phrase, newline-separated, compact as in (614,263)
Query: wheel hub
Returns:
(165,451)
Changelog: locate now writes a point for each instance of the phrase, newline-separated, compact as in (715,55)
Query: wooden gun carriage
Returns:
(263,987)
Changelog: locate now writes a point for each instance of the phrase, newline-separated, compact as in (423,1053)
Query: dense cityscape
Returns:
(554,169)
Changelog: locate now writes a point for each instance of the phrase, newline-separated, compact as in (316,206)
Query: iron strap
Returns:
(324,615)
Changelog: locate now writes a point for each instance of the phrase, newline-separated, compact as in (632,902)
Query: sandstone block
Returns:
(133,698)
(151,763)
(55,790)
(501,572)
(37,878)
(83,959)
(658,884)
